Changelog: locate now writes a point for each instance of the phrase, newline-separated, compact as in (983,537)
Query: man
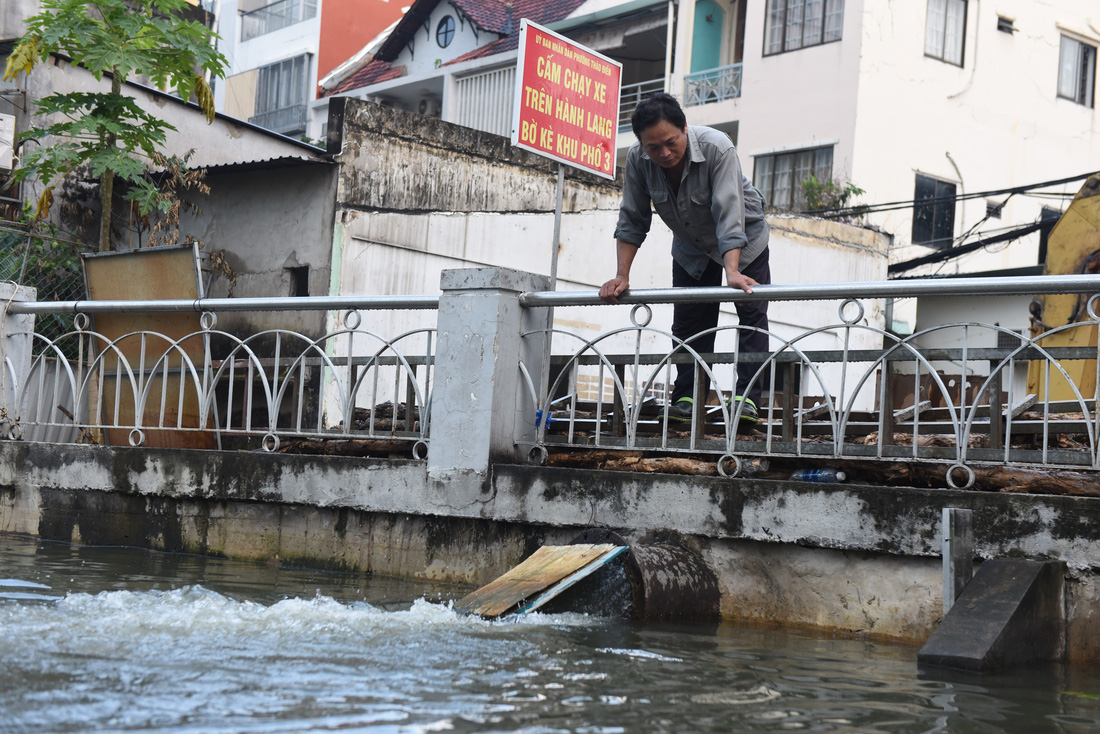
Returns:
(693,178)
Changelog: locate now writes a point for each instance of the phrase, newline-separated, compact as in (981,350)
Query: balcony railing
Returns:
(632,94)
(286,121)
(712,85)
(277,15)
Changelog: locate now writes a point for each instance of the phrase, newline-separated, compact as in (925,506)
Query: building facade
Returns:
(949,108)
(278,51)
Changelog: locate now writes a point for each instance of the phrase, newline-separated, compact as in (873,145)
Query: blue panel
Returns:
(706,44)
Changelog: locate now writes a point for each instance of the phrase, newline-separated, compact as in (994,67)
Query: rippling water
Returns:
(126,640)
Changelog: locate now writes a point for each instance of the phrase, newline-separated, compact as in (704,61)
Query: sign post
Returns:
(566,108)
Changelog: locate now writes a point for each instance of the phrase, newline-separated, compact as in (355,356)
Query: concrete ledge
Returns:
(857,560)
(894,521)
(1010,614)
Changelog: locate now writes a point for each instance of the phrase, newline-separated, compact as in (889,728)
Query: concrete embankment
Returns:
(854,559)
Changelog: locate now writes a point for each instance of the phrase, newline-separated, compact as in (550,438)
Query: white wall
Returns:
(997,117)
(425,54)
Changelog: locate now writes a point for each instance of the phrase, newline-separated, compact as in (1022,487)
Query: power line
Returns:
(896,205)
(953,252)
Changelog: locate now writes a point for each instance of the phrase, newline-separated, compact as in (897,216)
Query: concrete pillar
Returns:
(481,406)
(15,352)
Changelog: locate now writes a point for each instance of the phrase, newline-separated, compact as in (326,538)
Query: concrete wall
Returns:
(12,15)
(854,559)
(267,220)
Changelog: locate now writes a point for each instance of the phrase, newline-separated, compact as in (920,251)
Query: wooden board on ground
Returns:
(544,568)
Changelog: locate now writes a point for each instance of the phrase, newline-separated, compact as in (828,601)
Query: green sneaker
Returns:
(749,414)
(681,410)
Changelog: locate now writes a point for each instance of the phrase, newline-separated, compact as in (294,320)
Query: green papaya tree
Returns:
(108,131)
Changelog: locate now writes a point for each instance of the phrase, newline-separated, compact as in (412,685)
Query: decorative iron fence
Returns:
(964,394)
(712,85)
(207,387)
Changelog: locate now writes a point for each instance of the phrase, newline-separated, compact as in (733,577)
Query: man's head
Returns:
(661,128)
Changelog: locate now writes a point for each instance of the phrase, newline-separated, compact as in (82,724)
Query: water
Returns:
(116,640)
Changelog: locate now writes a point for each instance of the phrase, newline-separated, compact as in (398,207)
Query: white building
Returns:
(277,52)
(916,101)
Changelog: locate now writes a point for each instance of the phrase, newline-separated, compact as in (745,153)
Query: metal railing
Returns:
(971,405)
(712,85)
(632,95)
(286,120)
(210,386)
(275,16)
(964,395)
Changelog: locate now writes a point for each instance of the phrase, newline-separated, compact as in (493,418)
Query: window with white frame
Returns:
(1077,71)
(945,30)
(779,176)
(793,24)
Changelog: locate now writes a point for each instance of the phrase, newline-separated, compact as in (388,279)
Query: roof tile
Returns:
(373,72)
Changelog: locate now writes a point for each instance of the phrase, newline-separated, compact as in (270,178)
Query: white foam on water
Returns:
(19,584)
(639,654)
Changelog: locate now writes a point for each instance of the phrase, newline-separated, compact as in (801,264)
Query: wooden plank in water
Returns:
(542,569)
(571,579)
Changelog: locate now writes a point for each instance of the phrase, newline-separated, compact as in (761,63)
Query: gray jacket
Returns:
(716,210)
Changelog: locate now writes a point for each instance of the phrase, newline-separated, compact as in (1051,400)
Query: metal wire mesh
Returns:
(47,264)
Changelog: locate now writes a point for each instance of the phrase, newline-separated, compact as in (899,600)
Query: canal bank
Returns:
(857,560)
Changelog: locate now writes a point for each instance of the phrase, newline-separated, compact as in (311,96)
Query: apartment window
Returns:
(933,212)
(275,16)
(945,30)
(1077,71)
(793,24)
(281,96)
(779,176)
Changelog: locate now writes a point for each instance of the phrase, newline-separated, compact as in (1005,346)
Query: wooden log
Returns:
(346,447)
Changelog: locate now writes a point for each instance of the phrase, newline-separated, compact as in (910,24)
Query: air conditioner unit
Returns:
(7,142)
(430,106)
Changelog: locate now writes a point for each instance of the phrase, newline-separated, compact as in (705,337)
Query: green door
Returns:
(706,44)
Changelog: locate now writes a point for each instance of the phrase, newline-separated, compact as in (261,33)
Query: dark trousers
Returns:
(689,319)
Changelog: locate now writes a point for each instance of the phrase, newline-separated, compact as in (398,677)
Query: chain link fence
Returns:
(46,263)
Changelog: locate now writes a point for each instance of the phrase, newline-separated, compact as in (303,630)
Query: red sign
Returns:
(567,101)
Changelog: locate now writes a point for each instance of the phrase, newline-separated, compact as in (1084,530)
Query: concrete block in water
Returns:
(1011,613)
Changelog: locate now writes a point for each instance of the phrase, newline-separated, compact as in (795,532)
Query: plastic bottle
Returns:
(818,475)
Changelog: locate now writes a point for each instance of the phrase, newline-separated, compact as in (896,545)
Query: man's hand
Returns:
(740,280)
(612,289)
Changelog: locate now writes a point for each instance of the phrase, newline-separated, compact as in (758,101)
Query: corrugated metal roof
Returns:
(286,161)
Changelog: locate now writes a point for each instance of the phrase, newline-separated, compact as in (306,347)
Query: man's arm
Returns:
(728,210)
(624,257)
(734,277)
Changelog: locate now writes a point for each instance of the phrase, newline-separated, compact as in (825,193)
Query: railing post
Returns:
(481,406)
(15,353)
(958,553)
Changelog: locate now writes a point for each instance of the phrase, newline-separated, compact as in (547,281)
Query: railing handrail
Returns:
(1004,286)
(268,6)
(715,70)
(199,305)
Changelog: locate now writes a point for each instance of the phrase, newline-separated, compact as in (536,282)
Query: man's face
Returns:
(665,143)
